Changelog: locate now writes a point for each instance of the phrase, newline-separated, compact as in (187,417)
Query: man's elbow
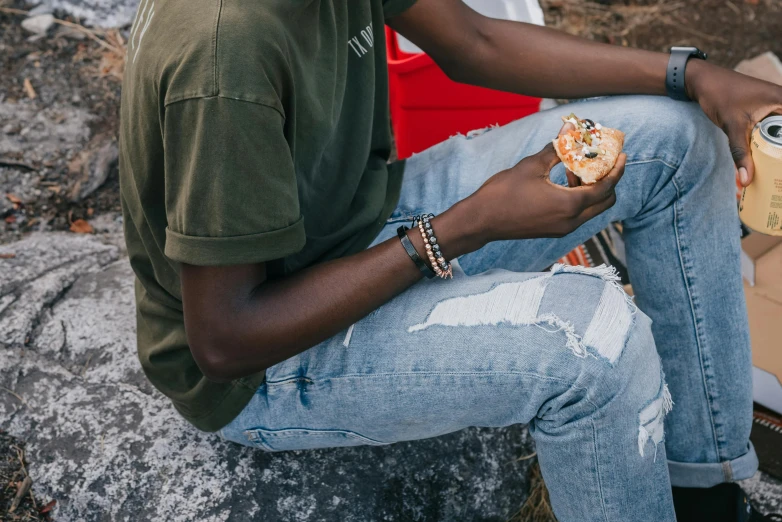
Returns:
(215,366)
(218,359)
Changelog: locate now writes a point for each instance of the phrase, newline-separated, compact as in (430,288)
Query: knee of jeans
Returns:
(671,128)
(621,372)
(593,309)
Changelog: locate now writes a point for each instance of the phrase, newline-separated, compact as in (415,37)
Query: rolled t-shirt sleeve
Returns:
(230,185)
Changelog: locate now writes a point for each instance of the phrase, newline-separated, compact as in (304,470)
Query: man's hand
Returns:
(735,103)
(523,203)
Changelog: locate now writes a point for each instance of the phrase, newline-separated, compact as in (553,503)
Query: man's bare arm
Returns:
(526,58)
(238,323)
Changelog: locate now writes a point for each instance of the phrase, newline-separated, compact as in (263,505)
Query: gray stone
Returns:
(38,24)
(98,13)
(91,167)
(19,183)
(42,132)
(40,9)
(108,446)
(104,443)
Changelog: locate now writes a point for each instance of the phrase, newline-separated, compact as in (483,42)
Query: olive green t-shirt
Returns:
(251,131)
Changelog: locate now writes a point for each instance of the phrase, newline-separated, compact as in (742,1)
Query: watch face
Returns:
(692,51)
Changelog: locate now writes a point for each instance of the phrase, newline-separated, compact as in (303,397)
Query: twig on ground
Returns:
(16,164)
(21,491)
(733,7)
(77,27)
(669,21)
(29,90)
(21,399)
(537,507)
(527,457)
(86,364)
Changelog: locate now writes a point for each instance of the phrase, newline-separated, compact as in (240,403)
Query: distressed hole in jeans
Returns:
(508,303)
(610,325)
(650,420)
(512,303)
(475,132)
(519,304)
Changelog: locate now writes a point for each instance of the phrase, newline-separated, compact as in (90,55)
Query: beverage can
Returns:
(760,207)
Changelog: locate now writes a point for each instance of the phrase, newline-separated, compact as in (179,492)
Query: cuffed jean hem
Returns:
(697,475)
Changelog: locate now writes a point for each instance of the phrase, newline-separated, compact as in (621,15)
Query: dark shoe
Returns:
(722,503)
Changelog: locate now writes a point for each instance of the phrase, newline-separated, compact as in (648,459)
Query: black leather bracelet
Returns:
(674,74)
(411,251)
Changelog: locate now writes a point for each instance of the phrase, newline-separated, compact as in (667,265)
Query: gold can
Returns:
(761,202)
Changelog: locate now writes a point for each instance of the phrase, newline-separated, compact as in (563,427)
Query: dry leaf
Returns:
(13,199)
(10,219)
(7,256)
(55,188)
(112,65)
(29,90)
(80,226)
(75,165)
(48,507)
(752,2)
(90,211)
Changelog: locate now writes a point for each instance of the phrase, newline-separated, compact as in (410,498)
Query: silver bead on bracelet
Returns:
(439,264)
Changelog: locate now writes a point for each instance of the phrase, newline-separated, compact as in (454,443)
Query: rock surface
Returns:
(108,446)
(98,13)
(38,24)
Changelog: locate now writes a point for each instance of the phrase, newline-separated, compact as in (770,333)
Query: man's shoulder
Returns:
(204,48)
(252,53)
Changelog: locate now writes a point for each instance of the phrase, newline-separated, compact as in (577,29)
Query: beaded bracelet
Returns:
(439,264)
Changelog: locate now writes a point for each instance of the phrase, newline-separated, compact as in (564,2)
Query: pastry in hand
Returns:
(590,150)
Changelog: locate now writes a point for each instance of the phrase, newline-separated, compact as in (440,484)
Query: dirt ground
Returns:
(59,107)
(729,31)
(59,97)
(14,491)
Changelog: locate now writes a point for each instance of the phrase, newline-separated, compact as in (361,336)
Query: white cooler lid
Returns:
(517,10)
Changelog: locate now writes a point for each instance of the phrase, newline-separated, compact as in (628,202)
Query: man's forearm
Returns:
(271,321)
(539,61)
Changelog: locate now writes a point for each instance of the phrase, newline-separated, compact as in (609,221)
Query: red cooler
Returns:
(427,107)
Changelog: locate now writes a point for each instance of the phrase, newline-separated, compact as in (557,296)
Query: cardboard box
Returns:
(765,66)
(762,270)
(757,257)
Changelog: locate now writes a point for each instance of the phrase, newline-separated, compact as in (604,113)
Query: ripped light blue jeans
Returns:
(564,351)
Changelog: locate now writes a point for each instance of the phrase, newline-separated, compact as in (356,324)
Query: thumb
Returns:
(742,157)
(548,158)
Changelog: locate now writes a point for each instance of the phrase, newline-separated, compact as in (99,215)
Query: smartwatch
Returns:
(674,75)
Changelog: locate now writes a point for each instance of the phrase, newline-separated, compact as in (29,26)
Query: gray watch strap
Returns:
(677,65)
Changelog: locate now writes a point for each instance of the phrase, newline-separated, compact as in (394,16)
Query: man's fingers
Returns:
(604,188)
(548,158)
(548,155)
(739,148)
(597,209)
(572,179)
